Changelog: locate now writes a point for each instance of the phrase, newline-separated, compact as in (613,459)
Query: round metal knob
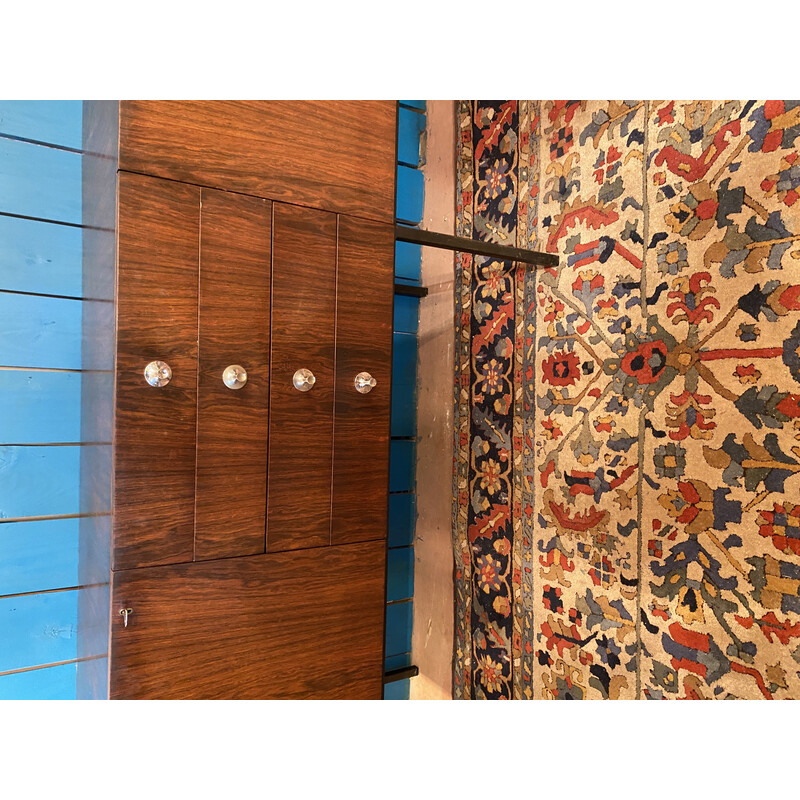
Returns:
(234,376)
(364,382)
(304,380)
(158,373)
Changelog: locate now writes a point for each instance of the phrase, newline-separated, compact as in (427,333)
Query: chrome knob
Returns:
(234,376)
(364,382)
(304,380)
(158,373)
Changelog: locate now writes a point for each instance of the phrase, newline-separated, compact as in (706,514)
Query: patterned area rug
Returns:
(627,455)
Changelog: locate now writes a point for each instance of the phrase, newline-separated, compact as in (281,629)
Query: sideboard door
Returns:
(155,426)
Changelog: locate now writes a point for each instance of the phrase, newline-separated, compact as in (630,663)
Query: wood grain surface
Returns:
(297,625)
(301,423)
(363,343)
(230,511)
(331,154)
(154,434)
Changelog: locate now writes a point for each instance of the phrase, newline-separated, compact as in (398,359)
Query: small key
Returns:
(124,612)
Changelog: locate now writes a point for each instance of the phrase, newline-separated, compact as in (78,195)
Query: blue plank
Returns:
(402,463)
(397,662)
(399,619)
(57,122)
(42,182)
(404,358)
(40,257)
(410,194)
(39,555)
(47,683)
(402,518)
(407,261)
(39,407)
(40,332)
(420,104)
(410,125)
(397,690)
(406,313)
(404,411)
(38,629)
(404,385)
(39,481)
(400,574)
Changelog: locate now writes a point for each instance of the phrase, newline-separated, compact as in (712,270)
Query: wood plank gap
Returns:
(39,143)
(56,222)
(53,664)
(335,332)
(53,591)
(197,372)
(55,369)
(269,368)
(56,516)
(53,444)
(57,296)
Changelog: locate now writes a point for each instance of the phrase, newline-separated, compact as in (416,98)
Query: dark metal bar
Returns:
(403,233)
(410,291)
(400,674)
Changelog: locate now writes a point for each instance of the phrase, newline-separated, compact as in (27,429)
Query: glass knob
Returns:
(234,376)
(304,380)
(158,373)
(364,382)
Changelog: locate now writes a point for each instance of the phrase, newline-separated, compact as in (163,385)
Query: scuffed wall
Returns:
(627,467)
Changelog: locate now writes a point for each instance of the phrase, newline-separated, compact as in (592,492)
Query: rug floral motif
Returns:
(627,458)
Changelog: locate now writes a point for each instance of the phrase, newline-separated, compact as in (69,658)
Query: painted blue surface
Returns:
(47,683)
(402,517)
(404,358)
(39,481)
(57,122)
(38,629)
(410,125)
(39,407)
(41,182)
(40,257)
(404,416)
(400,574)
(420,104)
(410,193)
(40,332)
(406,313)
(401,465)
(407,262)
(404,385)
(399,617)
(397,690)
(38,555)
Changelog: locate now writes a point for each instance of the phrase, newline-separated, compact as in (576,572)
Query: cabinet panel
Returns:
(332,154)
(154,461)
(363,343)
(291,625)
(301,423)
(234,329)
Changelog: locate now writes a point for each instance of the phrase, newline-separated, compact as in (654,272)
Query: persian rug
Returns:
(626,511)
